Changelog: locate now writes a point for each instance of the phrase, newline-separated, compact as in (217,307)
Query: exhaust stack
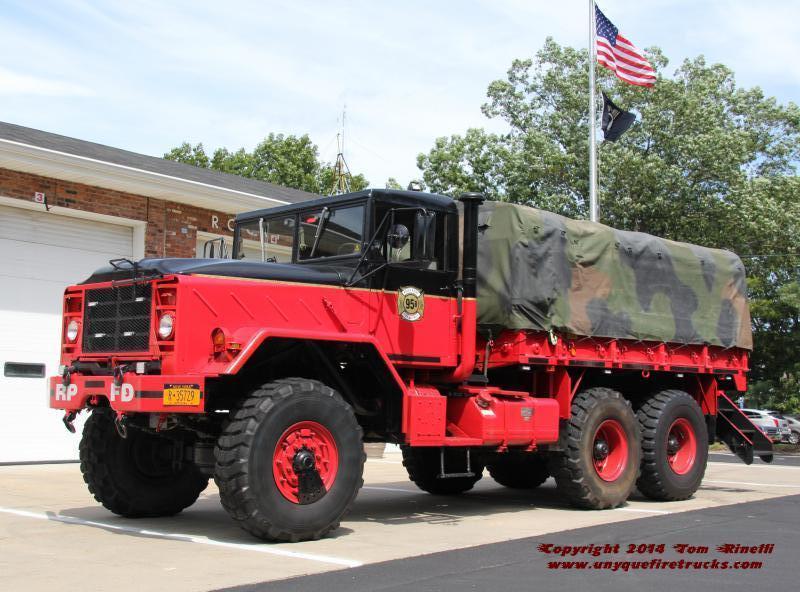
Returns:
(469,274)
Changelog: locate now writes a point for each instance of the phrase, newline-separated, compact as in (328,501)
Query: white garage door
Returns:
(40,254)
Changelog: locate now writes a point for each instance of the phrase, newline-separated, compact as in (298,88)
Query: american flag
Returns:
(620,55)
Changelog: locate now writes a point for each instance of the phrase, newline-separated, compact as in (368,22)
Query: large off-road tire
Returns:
(424,465)
(519,471)
(674,446)
(599,461)
(291,461)
(135,476)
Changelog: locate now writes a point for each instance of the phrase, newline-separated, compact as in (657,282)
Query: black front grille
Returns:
(117,319)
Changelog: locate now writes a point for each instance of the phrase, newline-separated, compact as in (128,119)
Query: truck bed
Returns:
(541,271)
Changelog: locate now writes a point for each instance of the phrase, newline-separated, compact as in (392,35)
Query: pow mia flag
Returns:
(615,121)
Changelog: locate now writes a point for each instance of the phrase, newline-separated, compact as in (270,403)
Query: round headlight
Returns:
(72,331)
(166,325)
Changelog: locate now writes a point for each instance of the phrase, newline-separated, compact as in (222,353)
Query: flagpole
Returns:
(592,118)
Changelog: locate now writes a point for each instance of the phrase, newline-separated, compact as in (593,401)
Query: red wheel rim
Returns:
(681,446)
(313,438)
(610,450)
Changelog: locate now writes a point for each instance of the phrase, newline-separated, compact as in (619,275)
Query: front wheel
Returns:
(794,437)
(598,463)
(291,460)
(141,475)
(674,446)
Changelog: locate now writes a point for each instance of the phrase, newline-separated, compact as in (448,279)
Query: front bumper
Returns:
(142,393)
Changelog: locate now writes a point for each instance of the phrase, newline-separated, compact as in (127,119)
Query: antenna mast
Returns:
(341,172)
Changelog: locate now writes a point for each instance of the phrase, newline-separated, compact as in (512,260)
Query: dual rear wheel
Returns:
(598,464)
(608,448)
(674,446)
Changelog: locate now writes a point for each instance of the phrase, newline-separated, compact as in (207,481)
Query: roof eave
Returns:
(27,158)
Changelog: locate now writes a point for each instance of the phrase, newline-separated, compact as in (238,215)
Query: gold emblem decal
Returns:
(410,303)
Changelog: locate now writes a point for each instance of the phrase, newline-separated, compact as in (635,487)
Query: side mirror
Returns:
(424,236)
(398,236)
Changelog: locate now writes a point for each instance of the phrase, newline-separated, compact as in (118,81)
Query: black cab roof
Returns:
(410,198)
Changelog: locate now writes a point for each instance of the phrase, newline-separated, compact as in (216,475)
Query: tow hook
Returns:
(66,376)
(119,371)
(69,417)
(121,423)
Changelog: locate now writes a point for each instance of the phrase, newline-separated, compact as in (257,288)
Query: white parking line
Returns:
(754,466)
(376,488)
(752,483)
(731,454)
(643,510)
(258,548)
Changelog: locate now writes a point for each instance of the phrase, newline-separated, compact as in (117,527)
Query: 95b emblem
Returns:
(410,303)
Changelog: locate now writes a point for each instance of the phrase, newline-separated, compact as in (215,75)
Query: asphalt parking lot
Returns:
(522,566)
(56,537)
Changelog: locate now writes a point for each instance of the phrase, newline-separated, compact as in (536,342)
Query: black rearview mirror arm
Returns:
(367,250)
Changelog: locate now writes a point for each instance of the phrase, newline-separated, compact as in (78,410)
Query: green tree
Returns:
(707,162)
(290,161)
(188,154)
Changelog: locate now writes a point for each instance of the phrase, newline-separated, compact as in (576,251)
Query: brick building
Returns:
(66,207)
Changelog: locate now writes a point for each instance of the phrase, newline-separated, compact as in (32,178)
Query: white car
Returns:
(792,425)
(770,425)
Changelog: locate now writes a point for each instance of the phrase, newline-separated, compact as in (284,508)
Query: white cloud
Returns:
(14,83)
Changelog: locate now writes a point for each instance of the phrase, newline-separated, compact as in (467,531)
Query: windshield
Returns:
(267,239)
(324,232)
(331,232)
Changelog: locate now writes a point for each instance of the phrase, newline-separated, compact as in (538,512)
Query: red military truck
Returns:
(354,319)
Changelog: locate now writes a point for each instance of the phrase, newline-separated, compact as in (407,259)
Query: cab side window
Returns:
(402,245)
(399,240)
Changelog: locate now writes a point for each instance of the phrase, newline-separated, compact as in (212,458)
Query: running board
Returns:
(741,435)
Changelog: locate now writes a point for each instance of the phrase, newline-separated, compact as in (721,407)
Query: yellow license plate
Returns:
(181,394)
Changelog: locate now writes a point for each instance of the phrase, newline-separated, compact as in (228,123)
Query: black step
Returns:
(739,433)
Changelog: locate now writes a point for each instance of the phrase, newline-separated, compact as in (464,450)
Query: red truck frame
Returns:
(270,376)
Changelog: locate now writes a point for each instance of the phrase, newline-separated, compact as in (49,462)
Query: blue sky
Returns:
(146,75)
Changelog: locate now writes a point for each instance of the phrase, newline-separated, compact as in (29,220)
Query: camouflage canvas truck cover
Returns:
(538,270)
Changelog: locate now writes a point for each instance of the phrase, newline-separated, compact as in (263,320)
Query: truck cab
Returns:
(379,244)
